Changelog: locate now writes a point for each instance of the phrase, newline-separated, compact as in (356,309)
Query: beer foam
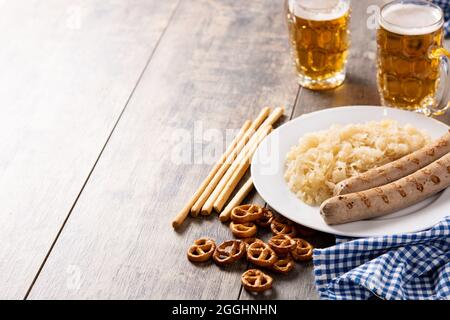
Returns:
(410,18)
(318,10)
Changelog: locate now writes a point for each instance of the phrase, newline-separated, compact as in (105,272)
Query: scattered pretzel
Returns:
(249,241)
(243,230)
(255,280)
(266,219)
(278,255)
(229,252)
(246,213)
(282,244)
(261,254)
(303,250)
(284,265)
(201,250)
(283,226)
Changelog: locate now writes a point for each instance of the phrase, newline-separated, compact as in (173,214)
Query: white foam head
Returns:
(411,18)
(319,10)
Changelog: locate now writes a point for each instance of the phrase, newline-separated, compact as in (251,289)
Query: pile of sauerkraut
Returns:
(322,159)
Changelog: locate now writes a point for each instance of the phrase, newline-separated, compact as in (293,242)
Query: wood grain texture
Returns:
(68,68)
(217,65)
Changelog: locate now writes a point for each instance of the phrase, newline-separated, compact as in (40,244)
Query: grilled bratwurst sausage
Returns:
(396,169)
(388,198)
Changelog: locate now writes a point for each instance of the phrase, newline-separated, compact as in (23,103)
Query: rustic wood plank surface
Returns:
(218,64)
(68,68)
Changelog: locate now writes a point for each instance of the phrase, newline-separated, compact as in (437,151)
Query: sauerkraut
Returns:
(324,158)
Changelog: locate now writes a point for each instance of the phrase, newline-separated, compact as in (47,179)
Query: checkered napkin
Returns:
(445,5)
(406,266)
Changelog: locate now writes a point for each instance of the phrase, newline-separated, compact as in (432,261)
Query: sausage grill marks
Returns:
(385,199)
(399,189)
(397,169)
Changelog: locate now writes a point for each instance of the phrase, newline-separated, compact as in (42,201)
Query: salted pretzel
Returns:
(266,219)
(284,265)
(243,230)
(201,250)
(283,226)
(246,213)
(229,252)
(255,280)
(303,251)
(261,254)
(282,244)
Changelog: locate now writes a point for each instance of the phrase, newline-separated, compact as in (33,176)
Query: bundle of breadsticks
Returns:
(391,187)
(217,188)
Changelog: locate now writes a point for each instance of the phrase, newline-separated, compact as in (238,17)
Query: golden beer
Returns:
(319,36)
(407,71)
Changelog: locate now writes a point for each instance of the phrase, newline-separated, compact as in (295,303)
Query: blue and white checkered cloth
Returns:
(445,5)
(399,267)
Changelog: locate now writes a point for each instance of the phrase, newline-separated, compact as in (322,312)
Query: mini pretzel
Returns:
(243,230)
(201,250)
(229,252)
(284,265)
(249,241)
(255,280)
(246,213)
(303,250)
(266,218)
(261,254)
(283,226)
(282,243)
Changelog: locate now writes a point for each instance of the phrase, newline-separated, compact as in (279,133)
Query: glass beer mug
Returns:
(411,58)
(319,37)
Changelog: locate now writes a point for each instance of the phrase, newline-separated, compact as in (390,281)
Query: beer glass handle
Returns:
(444,104)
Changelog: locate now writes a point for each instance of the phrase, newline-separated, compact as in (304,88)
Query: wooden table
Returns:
(96,96)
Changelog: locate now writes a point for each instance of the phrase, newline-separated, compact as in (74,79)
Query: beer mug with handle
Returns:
(319,37)
(412,65)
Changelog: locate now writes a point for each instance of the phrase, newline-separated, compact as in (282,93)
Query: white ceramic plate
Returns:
(268,168)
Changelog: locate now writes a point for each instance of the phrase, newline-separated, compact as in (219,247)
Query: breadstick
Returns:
(208,206)
(274,116)
(242,167)
(237,200)
(195,210)
(216,192)
(397,169)
(182,215)
(225,164)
